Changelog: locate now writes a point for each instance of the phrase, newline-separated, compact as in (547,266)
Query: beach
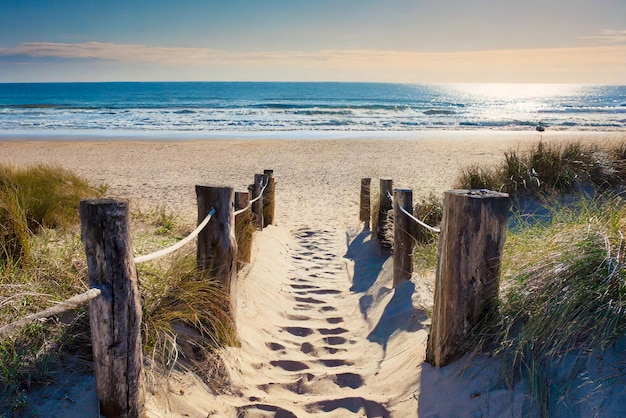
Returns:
(314,341)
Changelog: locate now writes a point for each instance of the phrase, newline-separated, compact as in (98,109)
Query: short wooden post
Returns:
(364,208)
(257,207)
(386,187)
(402,237)
(217,245)
(114,316)
(268,199)
(468,271)
(242,229)
(241,199)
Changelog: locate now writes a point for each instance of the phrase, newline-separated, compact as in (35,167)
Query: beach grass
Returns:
(186,315)
(562,291)
(548,169)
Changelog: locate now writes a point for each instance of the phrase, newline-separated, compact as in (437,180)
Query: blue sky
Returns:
(580,41)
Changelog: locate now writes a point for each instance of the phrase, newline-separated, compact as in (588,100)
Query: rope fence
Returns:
(179,244)
(417,221)
(66,305)
(116,315)
(430,228)
(249,205)
(470,249)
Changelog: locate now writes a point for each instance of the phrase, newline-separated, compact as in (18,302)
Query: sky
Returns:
(412,41)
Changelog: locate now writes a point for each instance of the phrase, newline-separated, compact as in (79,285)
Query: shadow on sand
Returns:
(399,315)
(368,260)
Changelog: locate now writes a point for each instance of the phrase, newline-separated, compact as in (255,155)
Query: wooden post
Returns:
(468,271)
(114,316)
(402,237)
(386,187)
(242,229)
(217,245)
(241,200)
(268,198)
(364,212)
(257,207)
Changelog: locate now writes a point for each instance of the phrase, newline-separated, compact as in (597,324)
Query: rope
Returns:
(251,202)
(430,228)
(179,244)
(64,306)
(258,197)
(240,211)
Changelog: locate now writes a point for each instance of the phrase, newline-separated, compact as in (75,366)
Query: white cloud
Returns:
(610,35)
(600,64)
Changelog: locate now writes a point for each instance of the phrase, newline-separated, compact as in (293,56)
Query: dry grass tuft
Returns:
(549,169)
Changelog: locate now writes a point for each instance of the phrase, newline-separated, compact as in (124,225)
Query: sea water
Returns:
(222,108)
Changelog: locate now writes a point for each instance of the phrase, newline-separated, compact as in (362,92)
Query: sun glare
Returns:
(516,90)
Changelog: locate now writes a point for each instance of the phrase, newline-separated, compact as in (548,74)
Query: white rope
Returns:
(179,244)
(251,202)
(258,197)
(61,307)
(430,228)
(240,211)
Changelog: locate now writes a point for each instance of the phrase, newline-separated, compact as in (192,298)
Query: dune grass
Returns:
(36,197)
(563,285)
(562,290)
(186,314)
(547,169)
(244,230)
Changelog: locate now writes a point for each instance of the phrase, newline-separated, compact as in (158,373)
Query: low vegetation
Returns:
(548,170)
(186,314)
(563,288)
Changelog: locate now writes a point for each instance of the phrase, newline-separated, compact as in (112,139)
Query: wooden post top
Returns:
(479,193)
(104,201)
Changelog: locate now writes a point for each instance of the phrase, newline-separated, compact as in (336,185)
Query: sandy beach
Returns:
(322,331)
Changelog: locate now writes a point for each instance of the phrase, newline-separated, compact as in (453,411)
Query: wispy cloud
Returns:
(599,64)
(610,36)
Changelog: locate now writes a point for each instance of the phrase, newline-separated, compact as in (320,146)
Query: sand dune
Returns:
(322,331)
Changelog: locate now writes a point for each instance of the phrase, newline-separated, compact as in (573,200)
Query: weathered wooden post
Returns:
(386,187)
(243,233)
(364,208)
(217,245)
(115,316)
(402,237)
(257,207)
(241,199)
(466,287)
(269,202)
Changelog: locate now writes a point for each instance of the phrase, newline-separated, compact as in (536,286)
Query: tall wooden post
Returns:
(468,271)
(257,207)
(115,316)
(364,208)
(242,229)
(217,245)
(269,202)
(386,187)
(402,237)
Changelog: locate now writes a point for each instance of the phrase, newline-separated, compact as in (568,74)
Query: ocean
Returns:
(154,109)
